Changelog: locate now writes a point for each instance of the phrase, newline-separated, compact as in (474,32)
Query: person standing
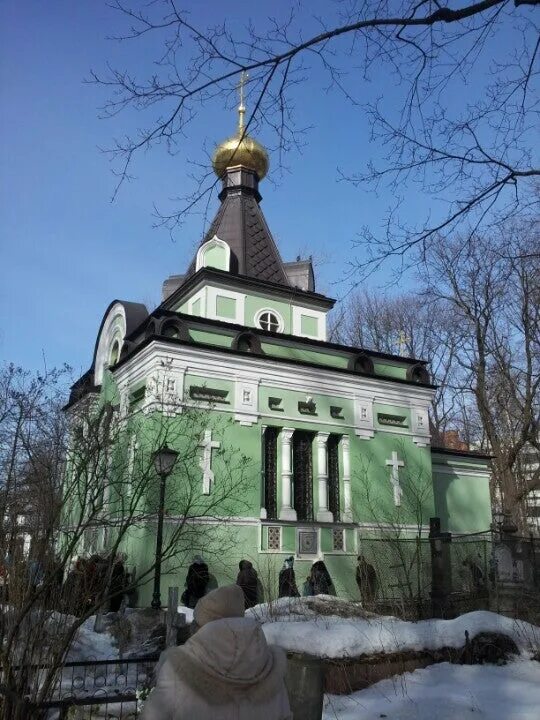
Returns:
(248,580)
(319,581)
(366,579)
(197,581)
(287,580)
(118,583)
(225,671)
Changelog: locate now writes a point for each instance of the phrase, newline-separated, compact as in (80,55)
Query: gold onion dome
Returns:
(241,149)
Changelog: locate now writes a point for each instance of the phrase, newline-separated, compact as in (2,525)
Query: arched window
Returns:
(214,253)
(247,342)
(269,320)
(418,374)
(174,328)
(361,363)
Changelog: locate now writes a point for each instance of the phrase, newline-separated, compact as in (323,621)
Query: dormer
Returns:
(214,253)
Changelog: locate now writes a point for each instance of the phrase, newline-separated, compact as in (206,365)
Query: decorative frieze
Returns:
(363,417)
(246,401)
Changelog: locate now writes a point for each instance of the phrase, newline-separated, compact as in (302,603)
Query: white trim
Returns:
(267,526)
(257,318)
(271,373)
(246,401)
(114,328)
(214,242)
(282,296)
(323,512)
(201,295)
(443,470)
(211,305)
(318,315)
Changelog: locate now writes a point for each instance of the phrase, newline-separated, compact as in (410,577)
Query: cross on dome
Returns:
(241,149)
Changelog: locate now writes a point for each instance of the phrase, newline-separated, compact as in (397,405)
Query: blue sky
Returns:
(67,251)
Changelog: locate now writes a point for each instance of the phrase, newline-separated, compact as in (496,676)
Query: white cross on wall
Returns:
(207,446)
(395,464)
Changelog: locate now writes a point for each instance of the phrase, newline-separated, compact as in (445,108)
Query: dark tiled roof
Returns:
(241,224)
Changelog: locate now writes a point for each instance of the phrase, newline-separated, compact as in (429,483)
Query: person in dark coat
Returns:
(248,580)
(287,580)
(73,591)
(366,579)
(478,582)
(197,581)
(319,581)
(118,583)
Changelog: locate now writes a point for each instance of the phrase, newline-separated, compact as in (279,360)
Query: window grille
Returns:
(338,540)
(274,538)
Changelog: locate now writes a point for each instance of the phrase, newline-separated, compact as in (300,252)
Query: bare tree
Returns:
(494,289)
(395,542)
(413,325)
(474,156)
(104,497)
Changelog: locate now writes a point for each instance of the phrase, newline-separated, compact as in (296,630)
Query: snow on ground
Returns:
(91,645)
(330,636)
(446,692)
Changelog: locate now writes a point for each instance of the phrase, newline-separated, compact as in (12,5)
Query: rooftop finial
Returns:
(242,107)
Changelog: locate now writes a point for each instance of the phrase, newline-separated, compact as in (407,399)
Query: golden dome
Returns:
(241,149)
(238,150)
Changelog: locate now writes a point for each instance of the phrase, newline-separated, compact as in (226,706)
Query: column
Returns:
(287,512)
(323,513)
(346,514)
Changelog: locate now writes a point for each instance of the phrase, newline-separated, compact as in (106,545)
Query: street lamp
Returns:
(164,460)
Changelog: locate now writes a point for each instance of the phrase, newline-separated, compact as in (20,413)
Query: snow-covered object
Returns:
(446,692)
(297,629)
(188,612)
(91,645)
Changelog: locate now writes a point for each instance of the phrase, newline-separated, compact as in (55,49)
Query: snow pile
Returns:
(446,692)
(301,609)
(91,645)
(188,612)
(298,629)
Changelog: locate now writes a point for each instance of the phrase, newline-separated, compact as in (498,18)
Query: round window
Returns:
(268,320)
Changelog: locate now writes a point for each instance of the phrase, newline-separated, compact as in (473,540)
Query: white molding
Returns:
(272,373)
(318,315)
(363,416)
(257,318)
(214,242)
(211,305)
(236,284)
(114,328)
(443,470)
(246,400)
(420,425)
(200,295)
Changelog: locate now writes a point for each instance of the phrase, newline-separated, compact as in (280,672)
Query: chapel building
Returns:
(337,438)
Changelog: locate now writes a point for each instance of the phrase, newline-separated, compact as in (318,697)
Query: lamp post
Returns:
(164,460)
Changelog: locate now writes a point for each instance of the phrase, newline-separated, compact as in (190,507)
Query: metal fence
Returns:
(84,690)
(403,568)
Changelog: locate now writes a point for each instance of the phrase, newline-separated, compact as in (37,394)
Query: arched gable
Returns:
(215,253)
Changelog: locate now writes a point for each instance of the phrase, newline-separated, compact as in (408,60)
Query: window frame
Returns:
(275,313)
